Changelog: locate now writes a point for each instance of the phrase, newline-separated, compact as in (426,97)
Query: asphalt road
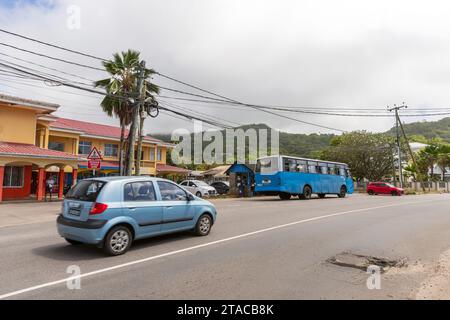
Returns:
(260,248)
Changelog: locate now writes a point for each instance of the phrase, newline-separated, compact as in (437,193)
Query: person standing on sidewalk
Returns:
(49,183)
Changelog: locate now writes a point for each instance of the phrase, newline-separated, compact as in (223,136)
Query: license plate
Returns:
(74,212)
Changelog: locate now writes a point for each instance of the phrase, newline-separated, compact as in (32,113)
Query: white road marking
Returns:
(171,253)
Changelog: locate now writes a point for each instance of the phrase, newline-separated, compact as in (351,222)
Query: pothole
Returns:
(359,261)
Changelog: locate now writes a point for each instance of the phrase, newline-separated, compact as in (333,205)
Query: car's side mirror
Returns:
(190,197)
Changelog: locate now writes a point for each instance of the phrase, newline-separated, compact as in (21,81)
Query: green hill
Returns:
(295,144)
(429,130)
(308,145)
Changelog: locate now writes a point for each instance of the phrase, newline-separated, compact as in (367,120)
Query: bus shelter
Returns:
(242,179)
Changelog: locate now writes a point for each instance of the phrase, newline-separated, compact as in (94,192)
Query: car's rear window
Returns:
(86,190)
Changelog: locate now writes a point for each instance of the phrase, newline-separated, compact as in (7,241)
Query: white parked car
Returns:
(199,188)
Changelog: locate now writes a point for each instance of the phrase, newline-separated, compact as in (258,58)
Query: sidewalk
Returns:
(18,213)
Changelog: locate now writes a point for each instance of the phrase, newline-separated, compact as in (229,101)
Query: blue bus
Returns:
(290,176)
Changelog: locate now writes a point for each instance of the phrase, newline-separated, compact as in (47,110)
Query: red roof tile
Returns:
(94,129)
(165,168)
(23,149)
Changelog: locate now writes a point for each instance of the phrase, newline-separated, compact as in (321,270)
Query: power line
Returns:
(223,99)
(201,113)
(42,73)
(57,82)
(46,67)
(51,45)
(50,57)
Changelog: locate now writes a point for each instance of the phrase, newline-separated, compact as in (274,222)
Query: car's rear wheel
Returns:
(73,242)
(285,196)
(307,192)
(321,195)
(342,192)
(198,194)
(370,192)
(117,241)
(203,226)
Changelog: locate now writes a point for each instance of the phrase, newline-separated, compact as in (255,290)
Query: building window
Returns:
(13,177)
(58,146)
(111,150)
(152,154)
(159,154)
(84,147)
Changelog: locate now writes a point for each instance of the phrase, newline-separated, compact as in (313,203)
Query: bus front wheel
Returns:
(342,192)
(307,192)
(285,196)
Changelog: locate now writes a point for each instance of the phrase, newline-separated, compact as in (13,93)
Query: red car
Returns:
(383,188)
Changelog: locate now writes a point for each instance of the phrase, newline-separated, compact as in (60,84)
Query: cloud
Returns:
(354,54)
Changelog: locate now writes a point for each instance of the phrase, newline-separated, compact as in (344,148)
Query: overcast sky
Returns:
(353,54)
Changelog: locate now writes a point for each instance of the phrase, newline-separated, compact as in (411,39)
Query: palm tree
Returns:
(430,155)
(123,70)
(443,159)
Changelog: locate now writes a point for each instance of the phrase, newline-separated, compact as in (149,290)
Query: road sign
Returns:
(94,159)
(94,154)
(94,164)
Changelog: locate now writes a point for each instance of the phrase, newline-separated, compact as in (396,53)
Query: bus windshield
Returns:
(267,165)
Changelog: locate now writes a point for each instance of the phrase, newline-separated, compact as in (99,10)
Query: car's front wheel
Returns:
(117,241)
(203,226)
(198,194)
(395,193)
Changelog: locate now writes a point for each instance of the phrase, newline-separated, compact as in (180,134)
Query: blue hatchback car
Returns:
(112,212)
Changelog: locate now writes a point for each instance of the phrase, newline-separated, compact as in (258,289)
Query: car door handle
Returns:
(169,207)
(132,208)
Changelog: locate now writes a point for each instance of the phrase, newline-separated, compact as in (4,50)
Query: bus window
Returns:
(323,169)
(289,165)
(342,172)
(331,169)
(301,166)
(267,165)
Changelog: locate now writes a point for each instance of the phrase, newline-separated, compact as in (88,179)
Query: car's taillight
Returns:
(98,208)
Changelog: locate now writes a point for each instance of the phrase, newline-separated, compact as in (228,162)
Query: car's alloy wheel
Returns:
(394,193)
(198,194)
(370,192)
(118,241)
(204,224)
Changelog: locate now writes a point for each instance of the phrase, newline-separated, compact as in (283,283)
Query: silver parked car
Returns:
(199,188)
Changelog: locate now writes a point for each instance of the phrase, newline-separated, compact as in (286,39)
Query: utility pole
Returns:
(399,149)
(410,152)
(135,118)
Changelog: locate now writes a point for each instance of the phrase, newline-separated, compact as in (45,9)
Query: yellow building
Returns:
(35,145)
